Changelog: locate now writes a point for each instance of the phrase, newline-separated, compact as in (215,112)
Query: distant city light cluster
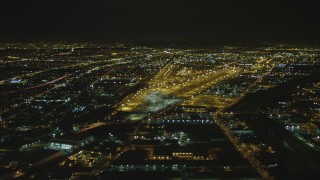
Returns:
(117,111)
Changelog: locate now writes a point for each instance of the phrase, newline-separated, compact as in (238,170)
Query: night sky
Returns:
(173,21)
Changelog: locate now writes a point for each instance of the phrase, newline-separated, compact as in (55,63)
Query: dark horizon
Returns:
(205,22)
